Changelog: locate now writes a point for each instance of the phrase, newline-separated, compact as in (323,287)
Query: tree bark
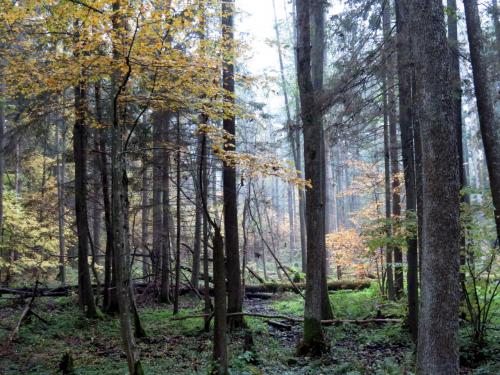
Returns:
(313,341)
(317,69)
(407,146)
(157,196)
(165,218)
(61,167)
(110,302)
(490,131)
(178,217)
(145,216)
(80,141)
(387,155)
(235,302)
(119,202)
(2,126)
(437,351)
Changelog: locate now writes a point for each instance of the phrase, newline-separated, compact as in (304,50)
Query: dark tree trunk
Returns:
(2,126)
(195,268)
(388,227)
(178,217)
(119,203)
(314,161)
(165,219)
(220,339)
(407,146)
(145,217)
(496,25)
(80,141)
(235,302)
(203,182)
(61,171)
(456,85)
(490,130)
(157,195)
(387,155)
(110,302)
(438,319)
(317,67)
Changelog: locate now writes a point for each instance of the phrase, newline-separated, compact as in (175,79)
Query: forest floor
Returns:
(181,347)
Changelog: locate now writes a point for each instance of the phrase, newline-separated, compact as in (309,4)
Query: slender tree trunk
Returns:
(317,67)
(298,155)
(157,195)
(195,267)
(496,25)
(144,217)
(178,218)
(220,339)
(119,202)
(407,146)
(2,134)
(438,319)
(290,133)
(80,141)
(165,218)
(110,302)
(235,302)
(61,145)
(203,181)
(387,183)
(396,199)
(456,85)
(490,130)
(390,151)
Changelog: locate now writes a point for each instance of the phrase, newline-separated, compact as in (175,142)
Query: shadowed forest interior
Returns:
(249,187)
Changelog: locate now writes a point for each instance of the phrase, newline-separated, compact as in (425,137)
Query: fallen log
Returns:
(266,287)
(298,320)
(26,312)
(278,325)
(256,275)
(259,295)
(271,287)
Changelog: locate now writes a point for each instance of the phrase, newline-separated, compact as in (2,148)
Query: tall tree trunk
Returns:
(235,301)
(490,131)
(195,267)
(456,85)
(110,302)
(290,134)
(144,217)
(165,219)
(315,214)
(178,217)
(203,182)
(119,201)
(298,155)
(317,68)
(331,204)
(2,126)
(61,166)
(157,195)
(396,198)
(80,141)
(496,25)
(389,157)
(407,147)
(387,184)
(438,320)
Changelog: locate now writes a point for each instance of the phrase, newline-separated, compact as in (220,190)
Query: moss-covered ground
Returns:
(181,347)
